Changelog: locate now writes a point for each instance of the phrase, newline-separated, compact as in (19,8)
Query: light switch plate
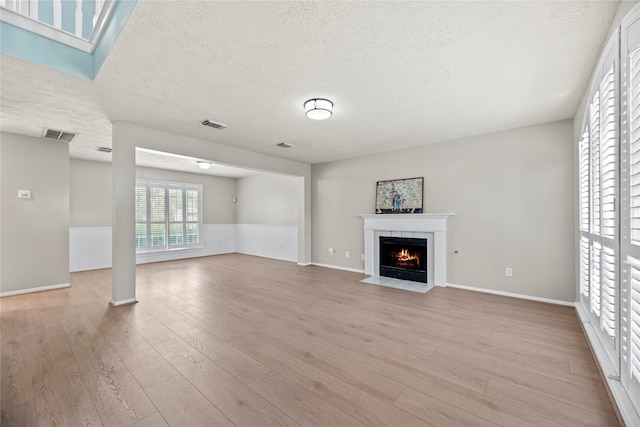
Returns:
(24,194)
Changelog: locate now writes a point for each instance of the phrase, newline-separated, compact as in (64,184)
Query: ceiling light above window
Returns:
(318,108)
(204,165)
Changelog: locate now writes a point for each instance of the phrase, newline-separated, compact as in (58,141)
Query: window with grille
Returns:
(168,215)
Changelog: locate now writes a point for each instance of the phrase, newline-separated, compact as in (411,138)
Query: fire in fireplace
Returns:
(403,258)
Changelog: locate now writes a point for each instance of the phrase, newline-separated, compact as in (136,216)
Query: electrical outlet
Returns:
(346,254)
(331,251)
(508,272)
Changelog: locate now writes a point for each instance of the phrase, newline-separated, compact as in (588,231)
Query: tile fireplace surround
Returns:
(430,226)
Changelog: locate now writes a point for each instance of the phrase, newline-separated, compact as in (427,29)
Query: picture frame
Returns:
(400,196)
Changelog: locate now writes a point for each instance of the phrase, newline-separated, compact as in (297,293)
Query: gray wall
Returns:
(91,193)
(268,199)
(35,233)
(512,194)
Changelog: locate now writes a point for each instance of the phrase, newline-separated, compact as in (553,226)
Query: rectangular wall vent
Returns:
(59,135)
(215,125)
(285,145)
(104,149)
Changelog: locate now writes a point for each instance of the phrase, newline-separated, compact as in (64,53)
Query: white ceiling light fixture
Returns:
(318,108)
(204,165)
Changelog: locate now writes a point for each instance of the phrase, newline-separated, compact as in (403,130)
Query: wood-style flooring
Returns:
(235,340)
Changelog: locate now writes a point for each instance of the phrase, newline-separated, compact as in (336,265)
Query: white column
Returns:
(123,285)
(304,221)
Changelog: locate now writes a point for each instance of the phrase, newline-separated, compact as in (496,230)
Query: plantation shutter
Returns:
(585,207)
(608,173)
(168,215)
(596,247)
(603,259)
(630,232)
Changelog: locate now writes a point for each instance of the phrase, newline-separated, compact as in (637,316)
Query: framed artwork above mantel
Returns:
(400,196)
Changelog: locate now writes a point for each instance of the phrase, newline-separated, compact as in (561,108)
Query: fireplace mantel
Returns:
(432,226)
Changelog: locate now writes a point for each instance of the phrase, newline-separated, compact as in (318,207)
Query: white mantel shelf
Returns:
(406,222)
(432,226)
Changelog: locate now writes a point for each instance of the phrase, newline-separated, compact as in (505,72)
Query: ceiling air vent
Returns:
(285,145)
(104,149)
(214,125)
(59,135)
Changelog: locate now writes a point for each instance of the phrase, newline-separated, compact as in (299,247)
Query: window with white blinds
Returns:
(611,248)
(585,209)
(599,221)
(584,181)
(594,128)
(632,344)
(168,215)
(608,155)
(630,237)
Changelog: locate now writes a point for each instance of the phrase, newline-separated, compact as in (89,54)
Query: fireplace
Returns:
(430,226)
(403,258)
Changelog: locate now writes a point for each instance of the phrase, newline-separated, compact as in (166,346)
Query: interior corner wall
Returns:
(34,249)
(268,210)
(268,199)
(511,194)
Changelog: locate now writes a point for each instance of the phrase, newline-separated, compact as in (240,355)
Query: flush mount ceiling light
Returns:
(318,108)
(204,165)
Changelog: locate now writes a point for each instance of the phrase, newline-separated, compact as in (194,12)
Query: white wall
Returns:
(511,193)
(35,232)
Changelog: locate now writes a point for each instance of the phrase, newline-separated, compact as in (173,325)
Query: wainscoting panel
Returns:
(269,241)
(89,248)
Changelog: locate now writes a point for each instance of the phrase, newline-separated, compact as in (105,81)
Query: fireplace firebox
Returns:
(403,258)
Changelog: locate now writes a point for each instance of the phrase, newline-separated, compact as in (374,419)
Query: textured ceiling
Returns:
(401,74)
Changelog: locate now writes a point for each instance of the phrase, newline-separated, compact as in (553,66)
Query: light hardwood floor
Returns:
(245,341)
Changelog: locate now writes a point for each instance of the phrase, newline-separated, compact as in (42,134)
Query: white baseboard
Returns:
(30,290)
(129,301)
(266,256)
(512,295)
(336,267)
